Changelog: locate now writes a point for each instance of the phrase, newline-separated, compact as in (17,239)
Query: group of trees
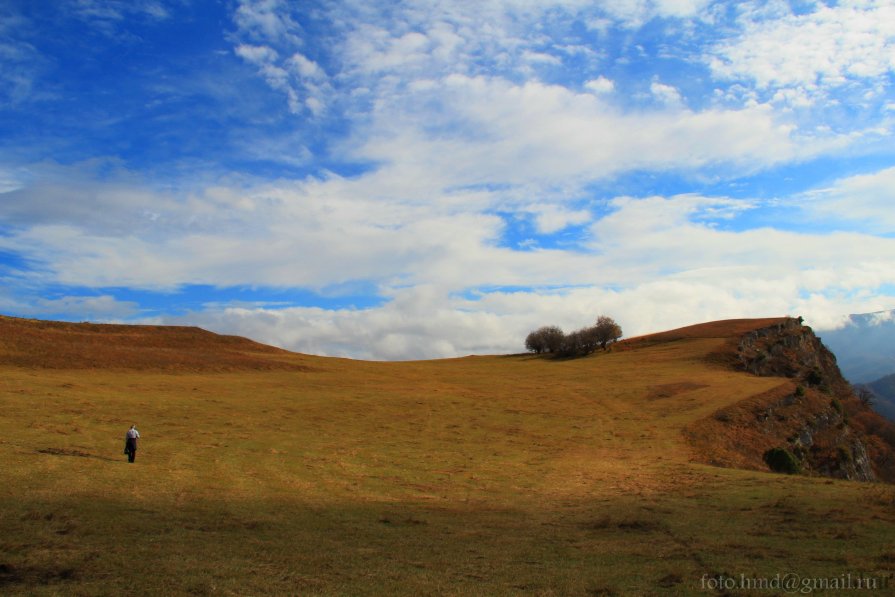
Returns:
(550,339)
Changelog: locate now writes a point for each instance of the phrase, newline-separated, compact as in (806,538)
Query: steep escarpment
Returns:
(789,349)
(812,420)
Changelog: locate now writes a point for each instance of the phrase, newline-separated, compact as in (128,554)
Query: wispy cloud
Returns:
(865,200)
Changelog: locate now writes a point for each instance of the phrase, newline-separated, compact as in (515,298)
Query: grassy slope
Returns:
(484,475)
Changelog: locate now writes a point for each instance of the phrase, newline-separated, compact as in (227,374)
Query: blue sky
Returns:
(435,178)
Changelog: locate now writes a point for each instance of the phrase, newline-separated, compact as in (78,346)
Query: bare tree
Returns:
(606,331)
(551,339)
(545,339)
(534,342)
(865,395)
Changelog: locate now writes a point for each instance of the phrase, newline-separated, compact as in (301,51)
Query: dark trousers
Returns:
(131,448)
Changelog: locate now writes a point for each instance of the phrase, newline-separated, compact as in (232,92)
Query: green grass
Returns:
(477,476)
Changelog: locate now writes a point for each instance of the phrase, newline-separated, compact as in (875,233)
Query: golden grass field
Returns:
(285,474)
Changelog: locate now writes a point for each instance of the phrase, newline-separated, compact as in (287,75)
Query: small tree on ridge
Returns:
(606,331)
(548,338)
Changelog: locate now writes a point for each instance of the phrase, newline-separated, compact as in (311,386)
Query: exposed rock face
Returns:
(811,425)
(813,416)
(788,349)
(827,445)
(822,440)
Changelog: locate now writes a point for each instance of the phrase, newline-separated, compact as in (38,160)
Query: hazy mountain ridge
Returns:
(884,399)
(865,352)
(864,346)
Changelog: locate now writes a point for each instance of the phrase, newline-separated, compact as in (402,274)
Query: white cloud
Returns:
(437,102)
(653,263)
(257,55)
(866,198)
(21,64)
(551,218)
(295,76)
(634,13)
(427,322)
(267,20)
(656,236)
(823,49)
(305,67)
(101,308)
(106,11)
(382,48)
(666,94)
(475,130)
(104,307)
(600,85)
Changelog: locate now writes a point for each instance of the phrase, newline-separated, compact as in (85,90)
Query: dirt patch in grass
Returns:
(670,580)
(32,575)
(670,390)
(631,525)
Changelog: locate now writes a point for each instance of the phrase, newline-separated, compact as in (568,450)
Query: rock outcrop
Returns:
(789,349)
(813,415)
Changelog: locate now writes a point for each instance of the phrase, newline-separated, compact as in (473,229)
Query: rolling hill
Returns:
(637,471)
(62,345)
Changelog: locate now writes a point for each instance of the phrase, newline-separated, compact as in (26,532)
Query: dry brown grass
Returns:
(33,343)
(475,476)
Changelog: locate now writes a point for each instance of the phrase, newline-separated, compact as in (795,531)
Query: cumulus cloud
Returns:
(268,20)
(825,48)
(651,262)
(488,130)
(456,124)
(600,85)
(551,218)
(666,94)
(633,13)
(427,322)
(383,47)
(257,55)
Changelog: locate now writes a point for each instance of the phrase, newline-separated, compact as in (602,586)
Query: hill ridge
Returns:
(815,415)
(35,343)
(814,425)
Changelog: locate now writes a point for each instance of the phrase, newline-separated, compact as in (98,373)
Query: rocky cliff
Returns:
(813,419)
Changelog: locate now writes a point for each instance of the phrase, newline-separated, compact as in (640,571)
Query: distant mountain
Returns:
(884,403)
(864,347)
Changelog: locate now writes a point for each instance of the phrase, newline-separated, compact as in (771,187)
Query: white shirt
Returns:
(132,434)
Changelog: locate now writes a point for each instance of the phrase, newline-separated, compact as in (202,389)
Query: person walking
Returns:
(130,442)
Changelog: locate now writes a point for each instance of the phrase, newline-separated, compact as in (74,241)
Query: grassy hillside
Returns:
(475,476)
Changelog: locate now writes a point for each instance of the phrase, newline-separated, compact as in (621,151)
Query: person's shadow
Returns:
(72,452)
